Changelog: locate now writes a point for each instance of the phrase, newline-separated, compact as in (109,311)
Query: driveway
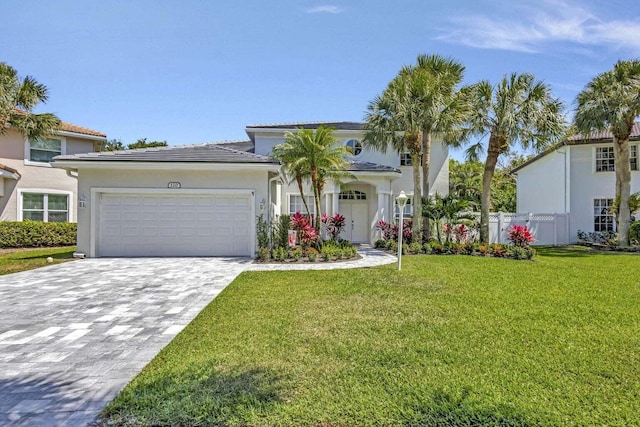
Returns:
(73,335)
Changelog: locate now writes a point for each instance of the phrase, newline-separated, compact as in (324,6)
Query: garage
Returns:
(174,224)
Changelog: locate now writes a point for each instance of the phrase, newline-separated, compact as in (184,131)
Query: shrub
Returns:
(415,248)
(607,238)
(312,254)
(280,232)
(296,254)
(634,232)
(28,234)
(497,250)
(427,248)
(467,248)
(484,250)
(405,248)
(529,252)
(389,231)
(437,248)
(380,244)
(520,235)
(264,254)
(262,232)
(280,254)
(392,245)
(516,252)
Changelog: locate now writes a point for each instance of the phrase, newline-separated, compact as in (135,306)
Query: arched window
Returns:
(354,146)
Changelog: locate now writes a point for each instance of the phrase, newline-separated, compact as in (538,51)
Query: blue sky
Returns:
(193,71)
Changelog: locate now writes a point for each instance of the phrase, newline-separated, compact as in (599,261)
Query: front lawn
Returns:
(14,260)
(450,340)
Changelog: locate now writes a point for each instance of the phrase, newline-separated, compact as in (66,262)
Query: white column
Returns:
(335,205)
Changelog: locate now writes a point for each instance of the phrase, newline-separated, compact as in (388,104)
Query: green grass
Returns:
(450,340)
(27,259)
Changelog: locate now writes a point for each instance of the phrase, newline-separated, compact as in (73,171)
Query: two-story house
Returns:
(204,199)
(30,188)
(576,177)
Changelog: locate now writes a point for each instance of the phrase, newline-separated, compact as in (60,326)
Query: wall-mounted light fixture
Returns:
(82,202)
(262,205)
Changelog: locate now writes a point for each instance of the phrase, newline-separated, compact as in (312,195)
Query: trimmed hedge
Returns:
(33,234)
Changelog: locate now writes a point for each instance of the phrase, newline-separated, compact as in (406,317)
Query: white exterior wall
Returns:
(256,180)
(36,177)
(541,186)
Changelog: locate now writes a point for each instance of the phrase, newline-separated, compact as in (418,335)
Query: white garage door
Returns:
(174,225)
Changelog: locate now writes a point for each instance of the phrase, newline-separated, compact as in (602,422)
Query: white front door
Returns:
(356,216)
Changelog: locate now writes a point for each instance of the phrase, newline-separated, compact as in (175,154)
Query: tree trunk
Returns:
(416,228)
(304,199)
(426,163)
(316,196)
(493,152)
(623,187)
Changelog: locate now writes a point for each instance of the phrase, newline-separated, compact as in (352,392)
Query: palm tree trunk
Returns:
(623,187)
(316,193)
(485,200)
(426,163)
(304,199)
(416,228)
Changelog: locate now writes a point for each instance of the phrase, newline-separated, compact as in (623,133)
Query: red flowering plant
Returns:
(461,233)
(333,224)
(307,234)
(389,231)
(519,235)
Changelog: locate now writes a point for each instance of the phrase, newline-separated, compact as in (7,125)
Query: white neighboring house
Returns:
(576,177)
(202,200)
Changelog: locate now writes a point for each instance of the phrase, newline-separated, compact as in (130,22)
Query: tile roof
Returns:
(597,137)
(309,125)
(355,166)
(202,153)
(247,146)
(70,127)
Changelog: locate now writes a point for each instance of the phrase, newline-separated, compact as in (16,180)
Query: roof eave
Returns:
(111,164)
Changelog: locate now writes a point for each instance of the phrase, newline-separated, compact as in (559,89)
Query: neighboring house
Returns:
(203,200)
(576,177)
(29,187)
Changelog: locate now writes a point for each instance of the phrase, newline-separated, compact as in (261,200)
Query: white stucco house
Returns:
(576,177)
(203,200)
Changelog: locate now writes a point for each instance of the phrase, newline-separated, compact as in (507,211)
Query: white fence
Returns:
(547,228)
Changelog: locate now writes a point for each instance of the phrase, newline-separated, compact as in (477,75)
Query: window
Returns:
(605,159)
(296,205)
(43,150)
(405,159)
(354,146)
(633,157)
(352,195)
(603,219)
(408,209)
(45,207)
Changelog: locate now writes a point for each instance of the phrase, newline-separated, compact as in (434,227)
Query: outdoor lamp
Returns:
(402,202)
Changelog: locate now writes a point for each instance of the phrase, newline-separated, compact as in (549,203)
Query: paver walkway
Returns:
(73,335)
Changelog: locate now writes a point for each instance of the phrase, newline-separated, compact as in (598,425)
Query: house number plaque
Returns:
(174,185)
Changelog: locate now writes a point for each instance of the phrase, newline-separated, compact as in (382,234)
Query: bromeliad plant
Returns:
(390,231)
(333,224)
(519,235)
(306,232)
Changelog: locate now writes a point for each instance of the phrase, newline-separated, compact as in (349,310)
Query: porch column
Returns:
(383,205)
(335,203)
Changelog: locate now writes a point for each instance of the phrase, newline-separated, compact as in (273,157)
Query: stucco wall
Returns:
(541,185)
(36,178)
(158,178)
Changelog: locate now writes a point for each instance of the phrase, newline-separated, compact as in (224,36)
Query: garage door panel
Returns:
(174,225)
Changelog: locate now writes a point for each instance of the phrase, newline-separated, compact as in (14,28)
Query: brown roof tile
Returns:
(70,127)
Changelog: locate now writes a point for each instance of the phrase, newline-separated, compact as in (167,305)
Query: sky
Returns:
(195,71)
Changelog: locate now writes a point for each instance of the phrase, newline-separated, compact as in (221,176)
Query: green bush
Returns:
(415,248)
(296,254)
(427,248)
(380,244)
(634,232)
(28,234)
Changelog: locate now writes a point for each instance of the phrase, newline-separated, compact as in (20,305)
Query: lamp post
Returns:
(402,202)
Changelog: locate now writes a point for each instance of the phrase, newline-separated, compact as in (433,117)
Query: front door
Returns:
(356,216)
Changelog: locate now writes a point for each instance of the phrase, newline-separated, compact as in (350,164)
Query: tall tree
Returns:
(420,102)
(316,156)
(393,121)
(518,110)
(611,101)
(18,98)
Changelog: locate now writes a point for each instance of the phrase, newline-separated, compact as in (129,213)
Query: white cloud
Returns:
(325,9)
(533,29)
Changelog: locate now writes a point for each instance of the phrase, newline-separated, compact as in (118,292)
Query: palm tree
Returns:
(611,101)
(419,102)
(18,98)
(392,120)
(315,156)
(518,109)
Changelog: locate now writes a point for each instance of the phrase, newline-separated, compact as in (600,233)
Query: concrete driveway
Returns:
(73,335)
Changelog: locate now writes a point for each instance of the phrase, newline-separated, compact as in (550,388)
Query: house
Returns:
(29,187)
(203,200)
(576,177)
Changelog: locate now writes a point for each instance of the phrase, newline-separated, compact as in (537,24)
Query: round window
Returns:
(354,146)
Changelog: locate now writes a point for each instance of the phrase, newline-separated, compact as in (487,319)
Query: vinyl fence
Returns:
(547,228)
